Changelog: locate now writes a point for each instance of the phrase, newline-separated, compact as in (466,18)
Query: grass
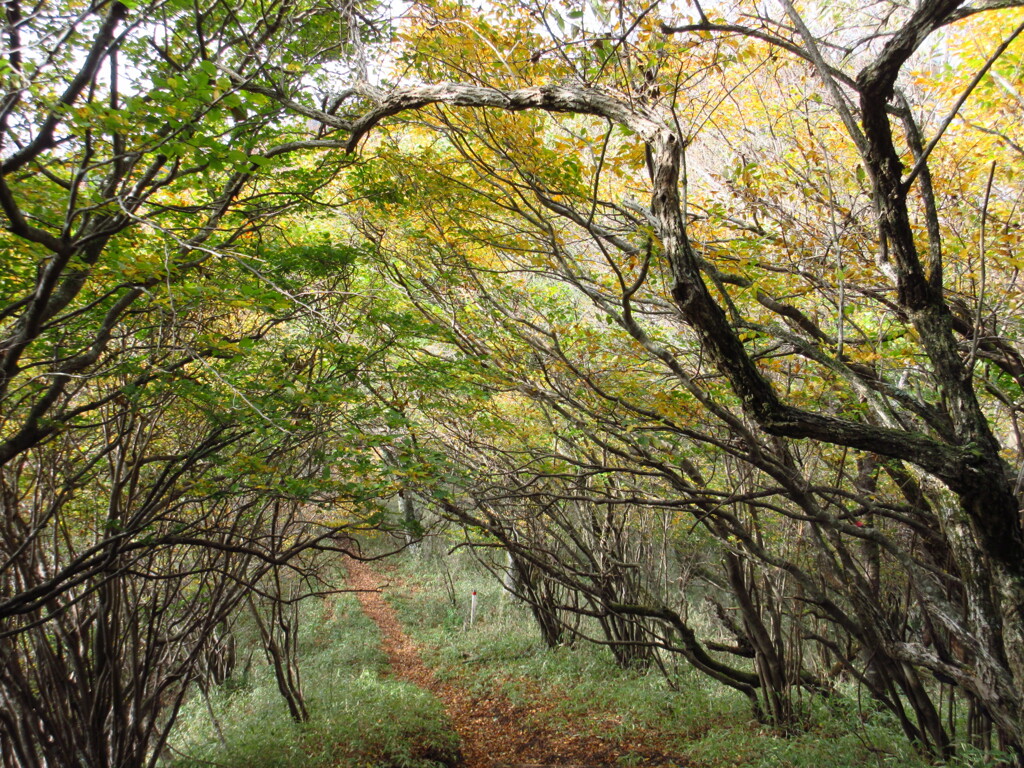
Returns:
(359,717)
(702,723)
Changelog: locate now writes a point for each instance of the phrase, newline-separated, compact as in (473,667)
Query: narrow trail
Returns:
(495,733)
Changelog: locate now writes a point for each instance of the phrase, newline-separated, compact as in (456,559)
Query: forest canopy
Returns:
(684,307)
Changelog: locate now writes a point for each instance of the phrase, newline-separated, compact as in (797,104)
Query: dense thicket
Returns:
(690,313)
(749,275)
(178,377)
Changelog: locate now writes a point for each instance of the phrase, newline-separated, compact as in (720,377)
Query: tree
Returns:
(922,481)
(171,413)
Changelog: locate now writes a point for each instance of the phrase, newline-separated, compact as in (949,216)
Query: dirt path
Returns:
(494,732)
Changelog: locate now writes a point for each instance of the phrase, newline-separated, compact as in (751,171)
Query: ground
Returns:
(491,727)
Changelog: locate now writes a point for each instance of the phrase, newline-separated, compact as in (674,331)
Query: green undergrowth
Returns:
(692,720)
(358,716)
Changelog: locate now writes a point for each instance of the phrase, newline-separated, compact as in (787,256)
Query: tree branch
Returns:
(44,138)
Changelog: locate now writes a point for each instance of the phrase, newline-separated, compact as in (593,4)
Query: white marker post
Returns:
(472,608)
